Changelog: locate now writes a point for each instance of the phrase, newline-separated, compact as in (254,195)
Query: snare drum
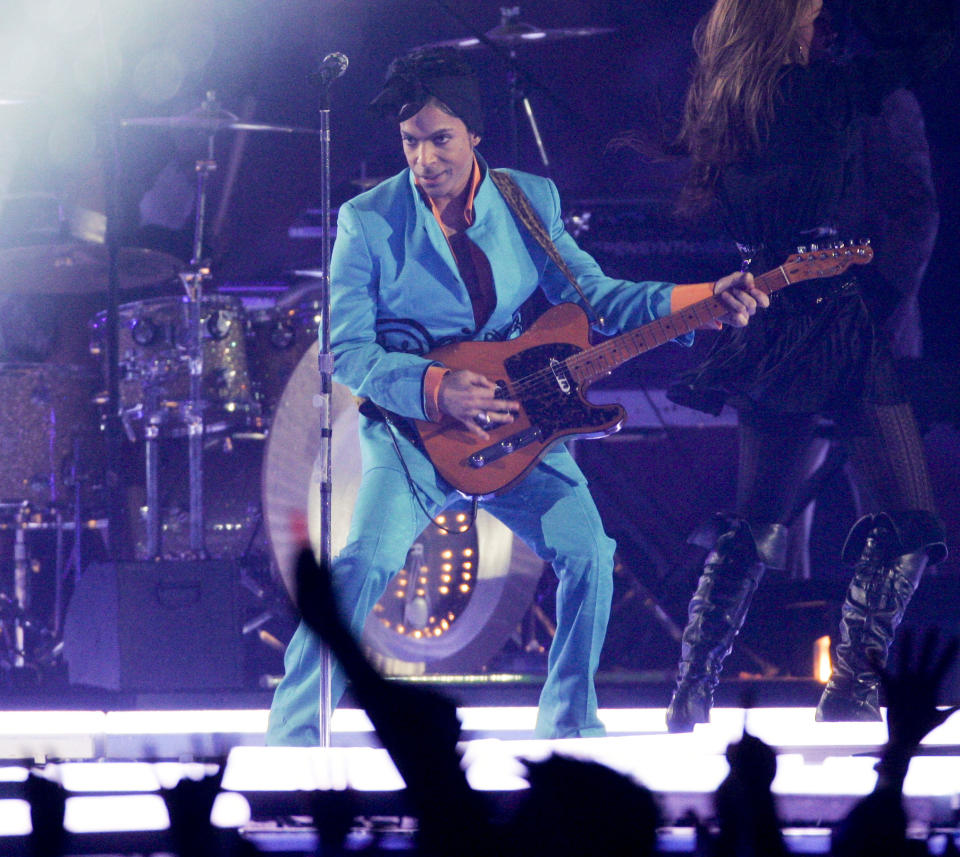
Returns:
(153,346)
(46,406)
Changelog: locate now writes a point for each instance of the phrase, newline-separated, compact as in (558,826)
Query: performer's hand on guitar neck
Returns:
(470,398)
(739,293)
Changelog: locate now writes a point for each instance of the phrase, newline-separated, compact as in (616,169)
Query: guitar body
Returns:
(530,369)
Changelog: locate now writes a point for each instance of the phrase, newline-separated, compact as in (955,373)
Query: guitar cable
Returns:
(414,488)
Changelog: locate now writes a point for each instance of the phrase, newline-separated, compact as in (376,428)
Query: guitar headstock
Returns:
(828,261)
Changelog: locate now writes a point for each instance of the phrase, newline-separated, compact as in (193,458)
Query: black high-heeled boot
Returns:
(731,572)
(892,551)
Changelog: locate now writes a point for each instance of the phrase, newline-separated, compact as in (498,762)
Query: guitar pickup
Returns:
(503,448)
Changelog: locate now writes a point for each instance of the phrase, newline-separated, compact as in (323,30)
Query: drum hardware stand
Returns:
(151,473)
(193,283)
(192,280)
(517,73)
(16,606)
(20,592)
(518,98)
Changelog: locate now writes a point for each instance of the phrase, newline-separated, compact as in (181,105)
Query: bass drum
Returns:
(459,596)
(46,409)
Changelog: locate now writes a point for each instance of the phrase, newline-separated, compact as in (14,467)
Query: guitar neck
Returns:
(594,363)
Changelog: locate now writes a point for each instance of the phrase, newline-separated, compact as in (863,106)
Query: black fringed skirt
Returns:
(816,349)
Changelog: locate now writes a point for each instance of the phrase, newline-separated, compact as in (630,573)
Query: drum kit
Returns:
(193,367)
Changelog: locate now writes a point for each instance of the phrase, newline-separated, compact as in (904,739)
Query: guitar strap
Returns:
(523,208)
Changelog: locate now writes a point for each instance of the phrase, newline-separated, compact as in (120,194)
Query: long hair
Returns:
(742,48)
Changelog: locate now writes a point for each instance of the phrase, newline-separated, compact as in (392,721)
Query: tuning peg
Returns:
(814,248)
(802,249)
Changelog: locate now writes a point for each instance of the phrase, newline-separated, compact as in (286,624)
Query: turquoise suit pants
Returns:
(552,510)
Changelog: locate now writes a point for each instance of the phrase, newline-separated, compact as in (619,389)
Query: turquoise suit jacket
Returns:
(396,292)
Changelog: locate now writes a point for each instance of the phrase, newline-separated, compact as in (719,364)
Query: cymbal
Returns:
(211,121)
(513,33)
(78,268)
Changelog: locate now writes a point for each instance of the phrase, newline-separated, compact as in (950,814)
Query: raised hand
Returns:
(912,691)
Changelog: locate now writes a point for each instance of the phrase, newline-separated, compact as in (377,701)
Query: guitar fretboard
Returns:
(601,360)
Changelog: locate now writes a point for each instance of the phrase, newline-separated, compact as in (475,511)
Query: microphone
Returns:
(332,67)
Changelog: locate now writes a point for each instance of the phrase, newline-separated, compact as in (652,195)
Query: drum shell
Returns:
(277,337)
(153,356)
(47,406)
(231,497)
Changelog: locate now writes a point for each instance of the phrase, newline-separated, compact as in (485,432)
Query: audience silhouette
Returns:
(572,806)
(575,807)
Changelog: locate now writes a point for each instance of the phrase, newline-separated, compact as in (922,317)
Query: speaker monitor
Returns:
(155,626)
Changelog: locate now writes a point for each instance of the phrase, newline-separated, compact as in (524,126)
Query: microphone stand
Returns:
(322,465)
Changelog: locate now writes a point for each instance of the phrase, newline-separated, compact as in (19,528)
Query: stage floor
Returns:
(113,762)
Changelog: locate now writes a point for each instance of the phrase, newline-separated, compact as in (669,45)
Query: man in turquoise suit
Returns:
(431,256)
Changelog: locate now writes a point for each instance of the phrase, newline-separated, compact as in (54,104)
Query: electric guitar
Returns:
(549,367)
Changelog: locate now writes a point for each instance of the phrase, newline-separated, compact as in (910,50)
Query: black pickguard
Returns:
(546,404)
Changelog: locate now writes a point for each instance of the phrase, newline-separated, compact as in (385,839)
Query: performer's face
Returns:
(439,150)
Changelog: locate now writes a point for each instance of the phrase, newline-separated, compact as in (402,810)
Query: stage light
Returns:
(230,810)
(822,667)
(184,722)
(115,814)
(15,818)
(845,776)
(54,734)
(107,777)
(13,774)
(290,769)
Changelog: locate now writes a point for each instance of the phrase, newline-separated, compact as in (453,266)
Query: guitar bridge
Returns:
(503,448)
(560,376)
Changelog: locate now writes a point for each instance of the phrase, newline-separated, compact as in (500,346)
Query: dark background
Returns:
(88,65)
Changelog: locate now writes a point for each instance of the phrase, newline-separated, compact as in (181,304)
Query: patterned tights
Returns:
(882,442)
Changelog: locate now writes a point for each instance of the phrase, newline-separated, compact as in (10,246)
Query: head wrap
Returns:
(425,73)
